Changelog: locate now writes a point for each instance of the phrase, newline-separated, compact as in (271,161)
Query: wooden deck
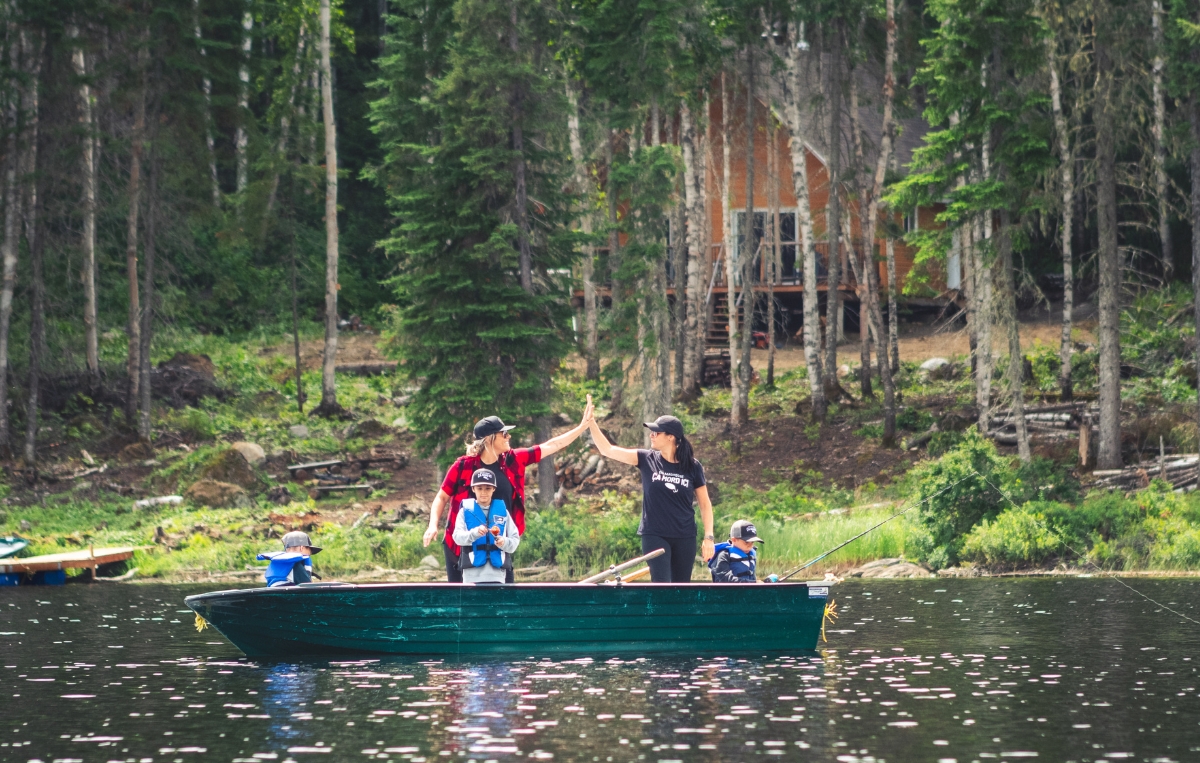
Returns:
(87,559)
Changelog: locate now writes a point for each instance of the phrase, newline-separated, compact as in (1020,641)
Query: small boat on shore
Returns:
(12,545)
(541,619)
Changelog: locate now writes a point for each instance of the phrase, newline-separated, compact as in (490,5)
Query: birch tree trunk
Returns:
(985,312)
(871,219)
(145,431)
(285,122)
(833,213)
(772,261)
(679,264)
(739,335)
(617,291)
(35,238)
(893,308)
(981,237)
(32,51)
(1108,260)
(12,211)
(134,320)
(329,404)
(1160,149)
(1193,109)
(1016,365)
(88,170)
(704,163)
(730,245)
(1067,179)
(241,137)
(591,351)
(206,88)
(792,89)
(859,256)
(691,345)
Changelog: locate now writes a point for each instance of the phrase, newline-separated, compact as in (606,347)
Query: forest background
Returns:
(452,172)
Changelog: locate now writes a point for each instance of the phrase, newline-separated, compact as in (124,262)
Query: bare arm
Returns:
(554,445)
(435,513)
(608,450)
(706,517)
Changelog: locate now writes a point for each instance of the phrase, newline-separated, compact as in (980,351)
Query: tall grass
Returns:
(790,543)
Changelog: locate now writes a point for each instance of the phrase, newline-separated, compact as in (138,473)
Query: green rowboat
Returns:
(528,619)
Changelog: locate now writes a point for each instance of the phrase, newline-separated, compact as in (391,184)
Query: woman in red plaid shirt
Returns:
(493,449)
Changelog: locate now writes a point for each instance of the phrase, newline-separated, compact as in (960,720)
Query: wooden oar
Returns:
(623,566)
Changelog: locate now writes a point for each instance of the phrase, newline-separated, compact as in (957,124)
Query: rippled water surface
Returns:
(970,670)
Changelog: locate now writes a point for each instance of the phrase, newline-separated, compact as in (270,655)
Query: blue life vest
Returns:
(285,563)
(741,563)
(484,550)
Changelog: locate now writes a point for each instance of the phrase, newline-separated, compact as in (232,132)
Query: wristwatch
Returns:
(709,537)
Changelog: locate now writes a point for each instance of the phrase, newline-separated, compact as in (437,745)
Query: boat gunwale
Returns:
(309,588)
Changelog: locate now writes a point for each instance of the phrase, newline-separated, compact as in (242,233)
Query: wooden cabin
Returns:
(941,281)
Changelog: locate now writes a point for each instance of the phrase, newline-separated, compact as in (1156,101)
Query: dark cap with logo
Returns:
(483,477)
(666,424)
(743,529)
(489,426)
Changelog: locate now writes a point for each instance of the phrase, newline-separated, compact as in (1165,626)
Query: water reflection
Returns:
(960,671)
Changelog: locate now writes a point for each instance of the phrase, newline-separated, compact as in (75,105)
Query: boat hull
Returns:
(526,619)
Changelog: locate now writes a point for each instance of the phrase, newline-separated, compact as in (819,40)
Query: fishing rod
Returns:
(875,527)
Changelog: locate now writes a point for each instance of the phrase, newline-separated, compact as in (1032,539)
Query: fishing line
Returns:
(872,529)
(1099,569)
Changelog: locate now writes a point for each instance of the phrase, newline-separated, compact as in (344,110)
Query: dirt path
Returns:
(354,348)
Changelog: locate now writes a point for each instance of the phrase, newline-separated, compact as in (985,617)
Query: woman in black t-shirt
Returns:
(671,478)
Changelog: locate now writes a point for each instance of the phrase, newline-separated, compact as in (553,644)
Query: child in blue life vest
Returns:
(735,561)
(293,565)
(485,531)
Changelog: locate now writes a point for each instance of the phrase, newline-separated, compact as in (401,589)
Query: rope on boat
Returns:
(875,527)
(201,623)
(1094,566)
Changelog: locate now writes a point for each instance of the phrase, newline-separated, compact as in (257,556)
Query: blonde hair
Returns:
(475,447)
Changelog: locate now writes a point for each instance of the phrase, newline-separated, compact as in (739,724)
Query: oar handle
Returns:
(623,566)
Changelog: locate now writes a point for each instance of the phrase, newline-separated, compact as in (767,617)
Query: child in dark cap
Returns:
(486,532)
(735,561)
(293,565)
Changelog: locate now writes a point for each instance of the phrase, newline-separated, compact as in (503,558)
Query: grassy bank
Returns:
(807,486)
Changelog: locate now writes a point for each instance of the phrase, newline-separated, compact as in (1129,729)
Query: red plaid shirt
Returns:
(457,484)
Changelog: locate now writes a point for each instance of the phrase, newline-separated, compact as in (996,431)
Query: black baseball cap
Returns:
(483,477)
(744,529)
(489,426)
(668,424)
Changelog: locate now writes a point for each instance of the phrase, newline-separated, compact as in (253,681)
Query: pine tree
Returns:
(469,334)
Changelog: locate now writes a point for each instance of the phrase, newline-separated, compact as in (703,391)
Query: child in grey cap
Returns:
(485,531)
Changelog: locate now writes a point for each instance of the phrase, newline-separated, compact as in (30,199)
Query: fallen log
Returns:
(367,369)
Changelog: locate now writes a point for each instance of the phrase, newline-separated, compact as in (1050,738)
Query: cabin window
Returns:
(910,222)
(789,270)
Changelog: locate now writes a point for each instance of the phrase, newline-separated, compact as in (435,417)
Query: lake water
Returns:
(1076,670)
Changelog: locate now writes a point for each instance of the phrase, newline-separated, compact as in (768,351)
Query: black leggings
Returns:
(454,574)
(675,566)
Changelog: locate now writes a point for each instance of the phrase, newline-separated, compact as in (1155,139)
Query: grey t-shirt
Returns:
(668,491)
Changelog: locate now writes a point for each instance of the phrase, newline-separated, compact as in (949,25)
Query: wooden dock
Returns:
(87,559)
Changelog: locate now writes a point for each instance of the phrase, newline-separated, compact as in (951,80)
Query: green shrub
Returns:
(943,442)
(1016,538)
(1176,546)
(1046,365)
(581,537)
(956,494)
(914,419)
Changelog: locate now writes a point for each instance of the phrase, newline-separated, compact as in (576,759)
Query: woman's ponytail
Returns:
(684,454)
